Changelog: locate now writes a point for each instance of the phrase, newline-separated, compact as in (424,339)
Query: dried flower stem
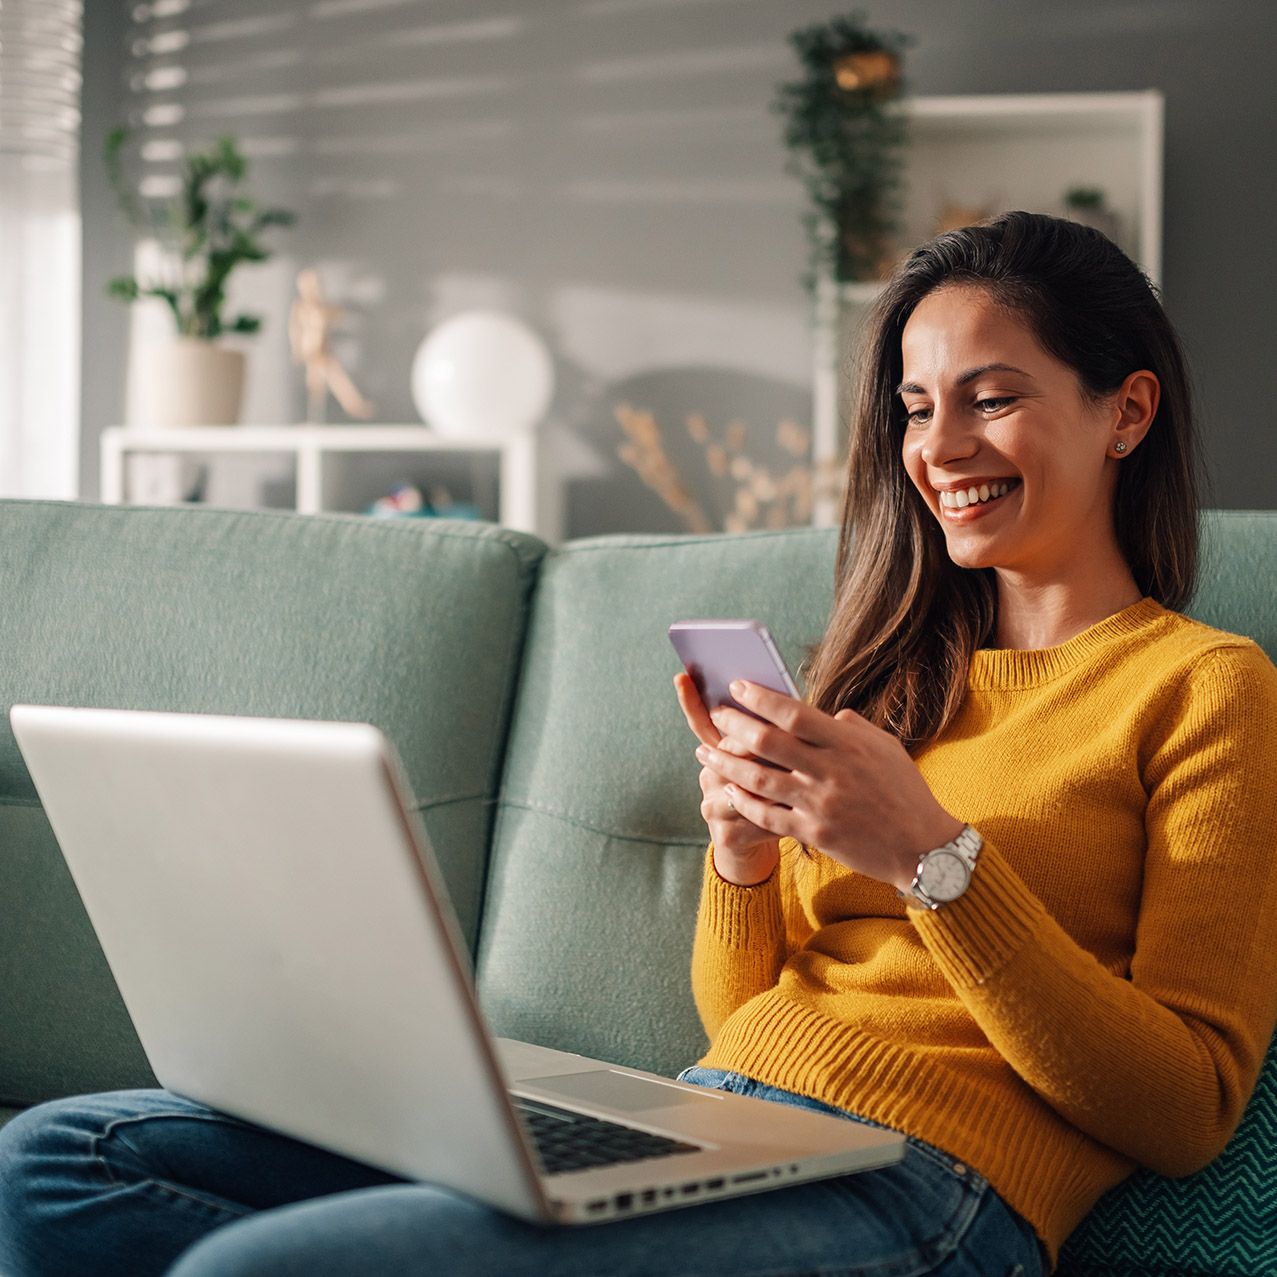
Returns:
(760,499)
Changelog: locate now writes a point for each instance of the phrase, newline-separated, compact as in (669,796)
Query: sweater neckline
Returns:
(1008,667)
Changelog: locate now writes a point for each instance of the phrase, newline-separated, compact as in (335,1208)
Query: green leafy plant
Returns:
(1084,197)
(205,231)
(846,143)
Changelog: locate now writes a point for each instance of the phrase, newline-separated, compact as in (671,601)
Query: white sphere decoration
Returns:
(482,374)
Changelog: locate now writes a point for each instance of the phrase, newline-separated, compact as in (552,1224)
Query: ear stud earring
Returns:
(1120,446)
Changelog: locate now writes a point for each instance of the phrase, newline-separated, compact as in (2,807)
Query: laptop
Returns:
(270,907)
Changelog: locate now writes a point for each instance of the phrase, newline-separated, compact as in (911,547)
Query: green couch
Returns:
(528,692)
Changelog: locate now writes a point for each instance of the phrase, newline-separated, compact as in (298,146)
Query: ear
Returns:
(1134,406)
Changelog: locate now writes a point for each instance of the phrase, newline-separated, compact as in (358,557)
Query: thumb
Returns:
(844,715)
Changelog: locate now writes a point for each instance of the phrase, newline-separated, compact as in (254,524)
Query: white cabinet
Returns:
(996,153)
(323,459)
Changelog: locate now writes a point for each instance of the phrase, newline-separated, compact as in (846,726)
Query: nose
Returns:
(948,437)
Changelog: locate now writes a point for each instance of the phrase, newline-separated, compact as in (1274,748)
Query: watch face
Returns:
(945,875)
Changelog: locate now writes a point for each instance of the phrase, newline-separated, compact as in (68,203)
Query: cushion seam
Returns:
(582,822)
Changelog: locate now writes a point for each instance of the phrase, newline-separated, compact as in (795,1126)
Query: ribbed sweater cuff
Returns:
(973,938)
(742,917)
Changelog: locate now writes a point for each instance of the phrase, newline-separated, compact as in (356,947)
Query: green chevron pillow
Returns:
(1221,1221)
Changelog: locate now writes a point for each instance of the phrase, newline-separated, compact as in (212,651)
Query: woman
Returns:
(1007,722)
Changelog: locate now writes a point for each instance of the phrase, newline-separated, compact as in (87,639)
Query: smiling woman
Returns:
(1010,728)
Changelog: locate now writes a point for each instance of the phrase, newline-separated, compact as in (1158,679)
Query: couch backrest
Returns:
(415,626)
(599,846)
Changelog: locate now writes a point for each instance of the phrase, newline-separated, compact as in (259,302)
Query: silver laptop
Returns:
(271,910)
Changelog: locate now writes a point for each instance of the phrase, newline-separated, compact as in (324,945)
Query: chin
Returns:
(969,553)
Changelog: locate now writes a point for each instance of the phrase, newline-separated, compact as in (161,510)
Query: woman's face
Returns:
(1013,460)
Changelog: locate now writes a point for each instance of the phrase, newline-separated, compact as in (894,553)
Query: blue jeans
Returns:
(143,1182)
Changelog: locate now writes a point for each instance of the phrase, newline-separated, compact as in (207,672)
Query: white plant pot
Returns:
(187,381)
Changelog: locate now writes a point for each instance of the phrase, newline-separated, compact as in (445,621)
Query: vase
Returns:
(188,381)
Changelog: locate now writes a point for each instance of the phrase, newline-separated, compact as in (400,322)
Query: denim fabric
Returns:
(143,1182)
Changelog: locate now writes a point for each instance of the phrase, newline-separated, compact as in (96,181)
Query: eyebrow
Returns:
(912,387)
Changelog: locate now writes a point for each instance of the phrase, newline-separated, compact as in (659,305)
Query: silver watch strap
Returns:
(966,845)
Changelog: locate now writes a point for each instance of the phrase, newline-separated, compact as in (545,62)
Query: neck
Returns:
(1036,614)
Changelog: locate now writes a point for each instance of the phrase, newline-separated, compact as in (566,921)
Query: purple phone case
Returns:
(716,652)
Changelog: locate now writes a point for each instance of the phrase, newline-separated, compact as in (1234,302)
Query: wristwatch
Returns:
(945,873)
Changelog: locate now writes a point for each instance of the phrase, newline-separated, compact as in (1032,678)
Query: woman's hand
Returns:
(744,853)
(847,788)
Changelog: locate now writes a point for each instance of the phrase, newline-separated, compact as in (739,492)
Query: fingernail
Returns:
(736,688)
(702,753)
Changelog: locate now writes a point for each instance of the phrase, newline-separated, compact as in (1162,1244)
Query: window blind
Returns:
(39,247)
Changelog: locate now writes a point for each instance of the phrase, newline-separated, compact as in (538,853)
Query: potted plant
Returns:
(846,142)
(203,233)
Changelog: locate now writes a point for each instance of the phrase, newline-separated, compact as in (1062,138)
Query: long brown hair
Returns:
(906,619)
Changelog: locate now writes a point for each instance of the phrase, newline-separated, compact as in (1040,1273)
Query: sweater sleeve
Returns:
(1158,1066)
(740,944)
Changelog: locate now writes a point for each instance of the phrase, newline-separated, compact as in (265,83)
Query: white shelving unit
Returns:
(996,153)
(526,500)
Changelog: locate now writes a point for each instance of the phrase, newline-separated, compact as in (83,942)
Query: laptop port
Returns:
(749,1177)
(624,1201)
(689,1190)
(649,1196)
(595,1207)
(712,1184)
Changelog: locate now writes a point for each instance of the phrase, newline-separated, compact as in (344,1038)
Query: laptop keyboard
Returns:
(567,1141)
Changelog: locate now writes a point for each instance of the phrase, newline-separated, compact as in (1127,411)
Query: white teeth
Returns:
(964,497)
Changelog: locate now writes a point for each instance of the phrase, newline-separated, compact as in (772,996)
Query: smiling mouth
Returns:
(977,495)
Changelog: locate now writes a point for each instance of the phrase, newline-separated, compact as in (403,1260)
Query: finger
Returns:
(773,817)
(750,735)
(694,710)
(799,719)
(771,783)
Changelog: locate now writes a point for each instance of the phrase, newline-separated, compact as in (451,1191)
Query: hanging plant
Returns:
(846,143)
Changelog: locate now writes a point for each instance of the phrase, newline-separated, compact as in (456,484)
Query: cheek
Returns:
(915,466)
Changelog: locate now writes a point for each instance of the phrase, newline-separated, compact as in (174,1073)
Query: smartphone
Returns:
(715,653)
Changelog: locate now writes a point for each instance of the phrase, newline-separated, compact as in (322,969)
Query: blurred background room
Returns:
(582,266)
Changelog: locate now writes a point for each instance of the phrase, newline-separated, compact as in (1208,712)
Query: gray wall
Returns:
(609,170)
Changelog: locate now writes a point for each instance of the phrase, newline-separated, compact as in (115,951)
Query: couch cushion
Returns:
(1223,1220)
(413,626)
(599,844)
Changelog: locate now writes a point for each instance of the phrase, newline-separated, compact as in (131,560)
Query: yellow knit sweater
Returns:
(1102,995)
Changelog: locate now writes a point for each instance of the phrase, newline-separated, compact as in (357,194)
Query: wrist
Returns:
(942,830)
(750,868)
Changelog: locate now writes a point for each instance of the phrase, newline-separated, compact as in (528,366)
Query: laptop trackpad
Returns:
(613,1090)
